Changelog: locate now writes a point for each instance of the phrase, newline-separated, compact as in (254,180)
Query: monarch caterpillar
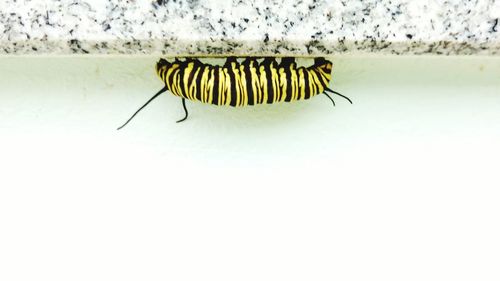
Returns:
(241,84)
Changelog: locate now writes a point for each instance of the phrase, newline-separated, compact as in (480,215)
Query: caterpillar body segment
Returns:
(246,83)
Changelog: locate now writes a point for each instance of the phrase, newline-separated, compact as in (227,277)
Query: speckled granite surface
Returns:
(212,27)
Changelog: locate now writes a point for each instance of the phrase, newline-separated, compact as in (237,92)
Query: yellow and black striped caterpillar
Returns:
(245,83)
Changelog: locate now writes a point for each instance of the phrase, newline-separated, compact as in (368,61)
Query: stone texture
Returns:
(221,28)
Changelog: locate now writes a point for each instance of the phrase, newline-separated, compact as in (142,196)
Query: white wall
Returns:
(403,184)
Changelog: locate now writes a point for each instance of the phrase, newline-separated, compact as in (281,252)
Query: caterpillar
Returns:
(242,84)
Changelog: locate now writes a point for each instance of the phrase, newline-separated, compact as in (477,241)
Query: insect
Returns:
(242,84)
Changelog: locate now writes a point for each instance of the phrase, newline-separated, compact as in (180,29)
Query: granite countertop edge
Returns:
(309,48)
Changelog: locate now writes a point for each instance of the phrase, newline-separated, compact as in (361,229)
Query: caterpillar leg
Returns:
(185,110)
(337,93)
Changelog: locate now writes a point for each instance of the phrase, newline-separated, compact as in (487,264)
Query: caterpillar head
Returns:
(162,65)
(324,64)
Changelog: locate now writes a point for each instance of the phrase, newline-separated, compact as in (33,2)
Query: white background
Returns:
(402,185)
